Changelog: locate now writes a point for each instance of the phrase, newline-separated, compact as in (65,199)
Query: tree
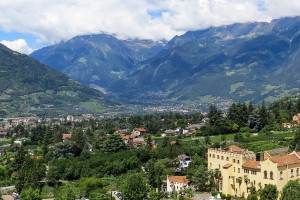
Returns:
(165,142)
(113,143)
(65,193)
(30,194)
(134,187)
(291,191)
(253,193)
(295,144)
(269,192)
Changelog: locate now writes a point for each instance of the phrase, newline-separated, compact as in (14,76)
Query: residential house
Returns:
(66,136)
(176,183)
(168,132)
(136,142)
(3,134)
(241,168)
(287,125)
(140,131)
(184,161)
(296,118)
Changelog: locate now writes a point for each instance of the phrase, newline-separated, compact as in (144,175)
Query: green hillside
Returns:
(28,87)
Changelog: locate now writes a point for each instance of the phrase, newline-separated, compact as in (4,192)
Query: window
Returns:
(281,173)
(271,175)
(218,156)
(238,170)
(292,173)
(213,155)
(265,174)
(297,172)
(254,182)
(227,159)
(238,161)
(234,169)
(209,155)
(219,167)
(233,160)
(222,158)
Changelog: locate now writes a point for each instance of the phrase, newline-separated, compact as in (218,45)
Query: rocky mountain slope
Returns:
(240,62)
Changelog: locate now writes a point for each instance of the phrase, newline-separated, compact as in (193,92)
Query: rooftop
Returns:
(252,164)
(178,179)
(285,160)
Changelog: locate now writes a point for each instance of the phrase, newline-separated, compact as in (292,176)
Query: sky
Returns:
(28,25)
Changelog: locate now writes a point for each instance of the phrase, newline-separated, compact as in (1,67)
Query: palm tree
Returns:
(217,176)
(239,180)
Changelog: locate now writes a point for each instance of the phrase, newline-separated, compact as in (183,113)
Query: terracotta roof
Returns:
(227,165)
(67,136)
(141,129)
(287,159)
(178,179)
(252,164)
(125,137)
(233,148)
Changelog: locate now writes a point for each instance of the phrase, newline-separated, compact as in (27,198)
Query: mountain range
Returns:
(240,62)
(29,88)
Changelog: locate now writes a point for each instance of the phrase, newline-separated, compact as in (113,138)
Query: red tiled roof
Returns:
(233,148)
(284,160)
(227,165)
(67,136)
(125,137)
(141,129)
(178,179)
(252,164)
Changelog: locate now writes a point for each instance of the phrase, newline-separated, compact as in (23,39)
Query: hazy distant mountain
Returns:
(28,87)
(249,61)
(97,60)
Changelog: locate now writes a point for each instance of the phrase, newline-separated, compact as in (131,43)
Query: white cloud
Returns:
(54,20)
(19,45)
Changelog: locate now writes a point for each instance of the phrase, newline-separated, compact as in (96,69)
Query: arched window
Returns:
(292,173)
(265,174)
(233,160)
(218,156)
(238,161)
(297,172)
(281,175)
(271,175)
(227,159)
(222,158)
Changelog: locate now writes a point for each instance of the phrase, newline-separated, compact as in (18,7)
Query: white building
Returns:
(176,183)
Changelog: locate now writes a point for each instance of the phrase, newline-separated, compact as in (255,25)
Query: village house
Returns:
(241,168)
(66,136)
(296,118)
(287,125)
(176,183)
(140,131)
(3,134)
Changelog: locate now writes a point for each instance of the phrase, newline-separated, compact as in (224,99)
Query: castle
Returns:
(241,168)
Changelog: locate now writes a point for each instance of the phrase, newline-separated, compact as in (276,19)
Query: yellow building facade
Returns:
(241,168)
